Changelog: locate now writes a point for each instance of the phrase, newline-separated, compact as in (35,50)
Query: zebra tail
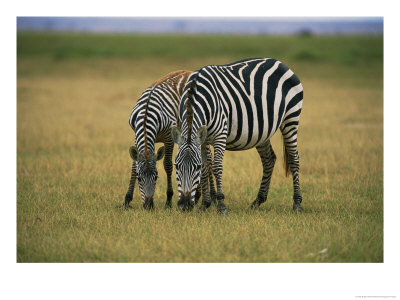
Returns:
(285,159)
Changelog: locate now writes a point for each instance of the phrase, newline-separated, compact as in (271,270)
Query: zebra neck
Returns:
(198,121)
(147,147)
(149,127)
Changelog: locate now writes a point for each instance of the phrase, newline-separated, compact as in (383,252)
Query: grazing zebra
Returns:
(236,107)
(151,119)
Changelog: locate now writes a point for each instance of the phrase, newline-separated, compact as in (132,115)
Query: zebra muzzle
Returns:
(148,202)
(185,202)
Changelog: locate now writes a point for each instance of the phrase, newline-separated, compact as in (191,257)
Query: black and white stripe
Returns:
(240,106)
(151,119)
(154,114)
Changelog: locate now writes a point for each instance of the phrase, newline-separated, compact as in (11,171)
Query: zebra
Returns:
(151,120)
(238,106)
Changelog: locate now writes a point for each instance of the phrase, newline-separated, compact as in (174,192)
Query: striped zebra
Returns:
(236,107)
(151,119)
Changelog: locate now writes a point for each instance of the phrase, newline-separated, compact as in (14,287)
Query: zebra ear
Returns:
(201,135)
(160,153)
(176,134)
(133,152)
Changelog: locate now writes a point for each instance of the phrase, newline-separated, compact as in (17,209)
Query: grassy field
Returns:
(74,96)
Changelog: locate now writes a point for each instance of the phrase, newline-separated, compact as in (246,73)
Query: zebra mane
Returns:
(146,148)
(189,105)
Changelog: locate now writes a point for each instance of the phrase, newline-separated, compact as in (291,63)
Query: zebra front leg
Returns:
(292,162)
(169,148)
(206,202)
(219,149)
(268,159)
(200,186)
(210,181)
(129,193)
(198,193)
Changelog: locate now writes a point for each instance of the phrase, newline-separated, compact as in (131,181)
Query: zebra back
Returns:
(157,109)
(254,97)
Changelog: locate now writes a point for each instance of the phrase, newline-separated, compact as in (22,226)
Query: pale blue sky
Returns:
(229,25)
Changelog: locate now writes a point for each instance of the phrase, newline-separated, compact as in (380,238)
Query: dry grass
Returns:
(73,171)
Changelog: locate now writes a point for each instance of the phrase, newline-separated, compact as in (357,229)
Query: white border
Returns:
(196,281)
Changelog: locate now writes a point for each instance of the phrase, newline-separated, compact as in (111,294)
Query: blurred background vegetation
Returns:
(342,50)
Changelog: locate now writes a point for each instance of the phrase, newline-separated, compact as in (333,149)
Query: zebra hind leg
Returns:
(268,159)
(292,163)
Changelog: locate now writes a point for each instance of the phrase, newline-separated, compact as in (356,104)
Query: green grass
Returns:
(74,96)
(343,50)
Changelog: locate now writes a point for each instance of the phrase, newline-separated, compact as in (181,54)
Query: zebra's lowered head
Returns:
(146,174)
(188,163)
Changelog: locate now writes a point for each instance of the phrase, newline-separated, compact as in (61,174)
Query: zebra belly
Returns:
(237,146)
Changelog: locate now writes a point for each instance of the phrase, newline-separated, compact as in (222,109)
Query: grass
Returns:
(83,46)
(74,96)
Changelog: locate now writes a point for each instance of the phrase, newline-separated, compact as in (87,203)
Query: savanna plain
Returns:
(75,93)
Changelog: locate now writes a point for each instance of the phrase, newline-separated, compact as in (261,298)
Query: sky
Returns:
(205,25)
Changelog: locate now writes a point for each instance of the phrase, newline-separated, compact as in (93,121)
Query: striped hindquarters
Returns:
(257,96)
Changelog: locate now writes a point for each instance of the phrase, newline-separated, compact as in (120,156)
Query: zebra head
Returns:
(188,163)
(146,174)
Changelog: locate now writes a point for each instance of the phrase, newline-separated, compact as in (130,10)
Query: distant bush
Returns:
(306,55)
(305,33)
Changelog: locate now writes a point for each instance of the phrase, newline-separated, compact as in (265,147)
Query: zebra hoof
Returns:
(206,204)
(167,206)
(213,198)
(255,205)
(203,207)
(128,199)
(297,207)
(222,210)
(124,206)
